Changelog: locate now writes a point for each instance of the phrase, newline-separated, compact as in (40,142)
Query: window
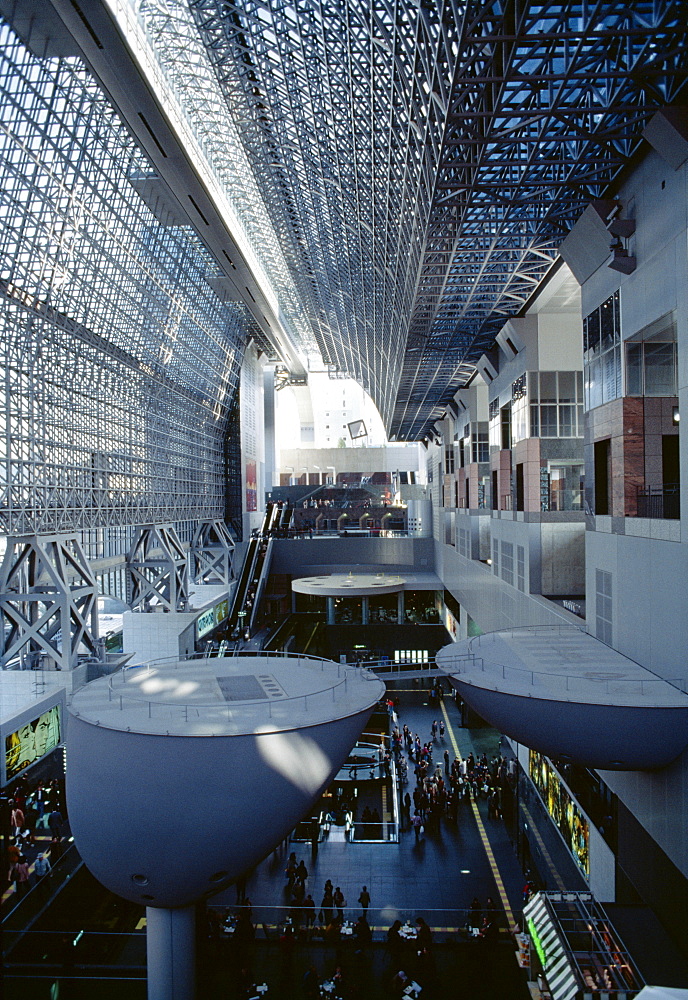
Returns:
(602,353)
(556,404)
(495,557)
(508,563)
(521,567)
(651,368)
(603,606)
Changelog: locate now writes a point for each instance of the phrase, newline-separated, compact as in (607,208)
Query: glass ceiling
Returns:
(421,162)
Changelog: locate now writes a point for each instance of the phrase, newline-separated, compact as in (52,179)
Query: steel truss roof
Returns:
(423,161)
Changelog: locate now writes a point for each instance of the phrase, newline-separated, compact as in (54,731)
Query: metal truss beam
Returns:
(388,137)
(212,553)
(157,570)
(48,603)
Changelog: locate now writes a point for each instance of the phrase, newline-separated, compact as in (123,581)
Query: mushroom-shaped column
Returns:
(202,767)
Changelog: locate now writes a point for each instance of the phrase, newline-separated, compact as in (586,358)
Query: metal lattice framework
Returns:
(212,553)
(119,360)
(423,162)
(48,601)
(157,570)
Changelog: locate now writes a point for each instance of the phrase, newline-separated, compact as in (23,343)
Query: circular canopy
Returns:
(349,584)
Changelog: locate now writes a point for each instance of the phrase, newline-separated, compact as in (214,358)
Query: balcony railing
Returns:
(659,501)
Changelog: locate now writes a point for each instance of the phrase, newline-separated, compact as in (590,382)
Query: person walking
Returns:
(340,903)
(364,900)
(416,823)
(41,866)
(20,875)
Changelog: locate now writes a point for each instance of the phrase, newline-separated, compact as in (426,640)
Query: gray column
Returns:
(365,610)
(330,610)
(171,952)
(400,608)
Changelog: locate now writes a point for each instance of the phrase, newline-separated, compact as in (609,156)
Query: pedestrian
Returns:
(441,729)
(55,822)
(326,905)
(41,866)
(20,875)
(340,903)
(309,908)
(417,824)
(364,899)
(446,762)
(301,873)
(433,729)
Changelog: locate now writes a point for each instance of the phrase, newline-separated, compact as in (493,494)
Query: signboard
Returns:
(31,742)
(205,622)
(567,817)
(221,611)
(251,487)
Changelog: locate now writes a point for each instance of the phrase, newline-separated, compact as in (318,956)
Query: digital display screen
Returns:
(568,818)
(205,622)
(31,742)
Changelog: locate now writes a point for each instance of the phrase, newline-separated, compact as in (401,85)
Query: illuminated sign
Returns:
(205,622)
(31,742)
(221,611)
(537,943)
(567,817)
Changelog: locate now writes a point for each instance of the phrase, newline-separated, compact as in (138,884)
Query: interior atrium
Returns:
(343,352)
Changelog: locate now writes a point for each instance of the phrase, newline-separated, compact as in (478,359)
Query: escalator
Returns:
(251,582)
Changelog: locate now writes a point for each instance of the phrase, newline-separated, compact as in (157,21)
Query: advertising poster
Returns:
(31,742)
(568,818)
(251,487)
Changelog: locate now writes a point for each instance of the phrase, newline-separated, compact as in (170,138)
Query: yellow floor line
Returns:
(541,845)
(481,830)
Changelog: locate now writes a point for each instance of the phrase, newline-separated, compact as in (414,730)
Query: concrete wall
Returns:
(302,557)
(650,572)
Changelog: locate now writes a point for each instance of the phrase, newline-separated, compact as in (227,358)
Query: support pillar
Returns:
(171,953)
(365,610)
(400,608)
(330,610)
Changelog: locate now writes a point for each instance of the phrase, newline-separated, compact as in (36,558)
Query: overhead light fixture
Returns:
(675,417)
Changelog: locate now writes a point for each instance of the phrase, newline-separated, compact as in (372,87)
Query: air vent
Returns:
(249,687)
(152,134)
(89,29)
(195,205)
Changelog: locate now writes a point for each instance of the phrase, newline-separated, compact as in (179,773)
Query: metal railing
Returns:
(659,502)
(552,680)
(124,688)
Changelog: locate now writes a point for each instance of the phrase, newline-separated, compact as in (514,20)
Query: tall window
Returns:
(602,353)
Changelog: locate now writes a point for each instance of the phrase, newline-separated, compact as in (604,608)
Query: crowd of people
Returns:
(443,785)
(33,825)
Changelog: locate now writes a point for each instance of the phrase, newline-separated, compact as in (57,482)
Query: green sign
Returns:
(537,943)
(205,622)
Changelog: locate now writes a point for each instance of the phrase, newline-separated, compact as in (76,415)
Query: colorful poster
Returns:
(565,814)
(251,487)
(31,742)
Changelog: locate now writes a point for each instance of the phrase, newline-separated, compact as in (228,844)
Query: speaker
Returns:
(667,133)
(587,246)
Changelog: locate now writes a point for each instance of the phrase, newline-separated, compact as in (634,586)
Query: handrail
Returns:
(467,662)
(124,694)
